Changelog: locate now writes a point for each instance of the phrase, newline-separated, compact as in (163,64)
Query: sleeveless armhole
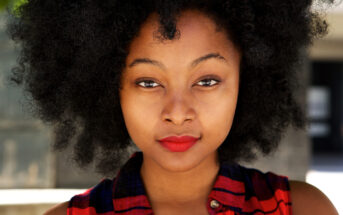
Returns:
(79,204)
(282,193)
(95,200)
(266,193)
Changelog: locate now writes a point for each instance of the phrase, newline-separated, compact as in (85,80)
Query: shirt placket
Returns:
(216,208)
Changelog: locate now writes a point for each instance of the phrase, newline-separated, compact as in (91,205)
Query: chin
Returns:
(179,162)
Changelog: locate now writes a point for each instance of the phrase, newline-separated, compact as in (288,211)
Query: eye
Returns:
(147,83)
(209,82)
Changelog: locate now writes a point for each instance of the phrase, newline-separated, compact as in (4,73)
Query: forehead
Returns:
(198,34)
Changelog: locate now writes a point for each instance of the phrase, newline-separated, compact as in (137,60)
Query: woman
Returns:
(196,85)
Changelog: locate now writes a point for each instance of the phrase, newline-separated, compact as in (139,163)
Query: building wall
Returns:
(25,157)
(292,157)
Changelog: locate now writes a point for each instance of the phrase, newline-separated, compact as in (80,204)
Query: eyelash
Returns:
(151,81)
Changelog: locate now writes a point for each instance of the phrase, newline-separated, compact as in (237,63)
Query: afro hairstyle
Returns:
(73,53)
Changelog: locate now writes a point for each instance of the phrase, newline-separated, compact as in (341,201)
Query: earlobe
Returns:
(307,199)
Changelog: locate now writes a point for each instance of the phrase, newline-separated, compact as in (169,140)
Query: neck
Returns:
(178,188)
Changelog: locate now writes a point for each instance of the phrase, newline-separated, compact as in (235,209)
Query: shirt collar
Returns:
(129,193)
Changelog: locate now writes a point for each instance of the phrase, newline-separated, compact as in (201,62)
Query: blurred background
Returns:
(33,178)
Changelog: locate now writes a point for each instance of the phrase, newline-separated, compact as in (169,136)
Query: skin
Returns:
(181,102)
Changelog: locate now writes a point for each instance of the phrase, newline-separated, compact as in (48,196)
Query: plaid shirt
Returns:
(237,190)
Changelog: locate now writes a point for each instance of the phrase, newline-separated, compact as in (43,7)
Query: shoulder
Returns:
(60,209)
(307,199)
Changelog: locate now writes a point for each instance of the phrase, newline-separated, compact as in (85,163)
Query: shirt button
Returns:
(214,204)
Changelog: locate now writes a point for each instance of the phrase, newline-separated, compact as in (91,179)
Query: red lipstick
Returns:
(178,143)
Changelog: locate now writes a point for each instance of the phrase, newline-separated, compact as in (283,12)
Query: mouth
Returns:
(178,144)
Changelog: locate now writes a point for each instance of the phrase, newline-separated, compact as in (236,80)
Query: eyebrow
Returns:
(193,64)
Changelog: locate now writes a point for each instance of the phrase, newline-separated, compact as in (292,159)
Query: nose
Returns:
(178,108)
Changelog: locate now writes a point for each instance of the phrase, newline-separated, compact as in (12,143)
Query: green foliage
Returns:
(12,4)
(3,4)
(16,5)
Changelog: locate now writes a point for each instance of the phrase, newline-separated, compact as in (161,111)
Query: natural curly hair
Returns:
(73,53)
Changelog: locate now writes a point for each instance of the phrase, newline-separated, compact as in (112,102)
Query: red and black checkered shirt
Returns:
(237,190)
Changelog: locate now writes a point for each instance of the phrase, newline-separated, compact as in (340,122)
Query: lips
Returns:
(179,139)
(178,143)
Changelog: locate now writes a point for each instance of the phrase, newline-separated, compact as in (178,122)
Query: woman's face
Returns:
(187,86)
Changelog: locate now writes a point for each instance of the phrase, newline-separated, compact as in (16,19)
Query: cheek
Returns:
(219,114)
(138,115)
